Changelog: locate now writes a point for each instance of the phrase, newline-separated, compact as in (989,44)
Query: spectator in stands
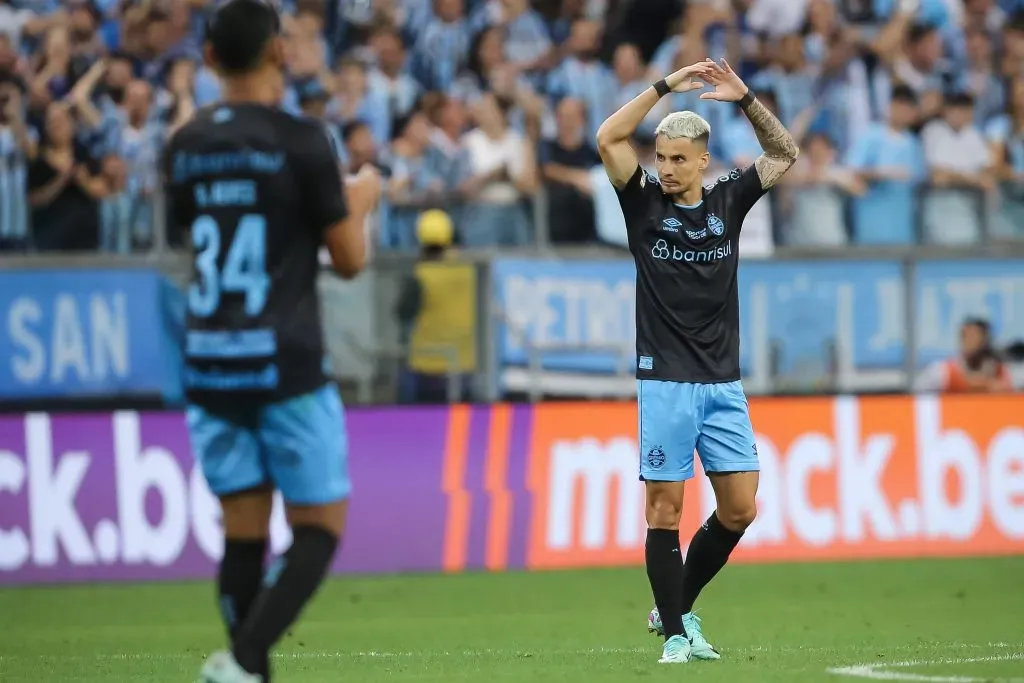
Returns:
(1012,63)
(178,100)
(489,71)
(120,229)
(389,77)
(980,79)
(889,159)
(841,92)
(64,188)
(355,100)
(393,58)
(960,169)
(168,37)
(527,45)
(14,21)
(790,77)
(436,312)
(584,77)
(85,43)
(441,47)
(18,144)
(823,189)
(360,147)
(976,368)
(51,71)
(822,26)
(446,156)
(567,161)
(413,185)
(502,173)
(486,56)
(915,56)
(1006,140)
(307,28)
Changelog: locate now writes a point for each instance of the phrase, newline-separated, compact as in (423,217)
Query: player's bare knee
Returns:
(330,516)
(246,514)
(664,506)
(738,518)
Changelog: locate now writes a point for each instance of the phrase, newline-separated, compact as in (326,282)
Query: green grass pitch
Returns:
(959,620)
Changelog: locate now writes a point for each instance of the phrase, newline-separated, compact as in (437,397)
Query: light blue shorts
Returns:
(300,445)
(678,417)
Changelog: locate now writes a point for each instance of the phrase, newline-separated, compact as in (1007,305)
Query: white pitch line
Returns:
(878,671)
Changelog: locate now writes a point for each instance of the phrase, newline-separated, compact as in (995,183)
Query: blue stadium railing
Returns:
(553,322)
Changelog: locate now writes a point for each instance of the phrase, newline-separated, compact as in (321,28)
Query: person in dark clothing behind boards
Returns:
(258,191)
(566,162)
(437,312)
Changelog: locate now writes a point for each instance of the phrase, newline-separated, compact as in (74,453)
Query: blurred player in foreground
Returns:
(683,237)
(259,191)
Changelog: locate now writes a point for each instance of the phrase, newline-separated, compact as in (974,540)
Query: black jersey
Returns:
(687,303)
(253,188)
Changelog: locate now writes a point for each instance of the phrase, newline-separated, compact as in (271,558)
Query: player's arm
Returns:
(338,209)
(618,157)
(346,238)
(779,149)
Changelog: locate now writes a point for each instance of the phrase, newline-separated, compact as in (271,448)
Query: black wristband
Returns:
(746,100)
(661,87)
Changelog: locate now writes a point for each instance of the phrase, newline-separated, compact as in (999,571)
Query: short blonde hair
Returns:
(684,124)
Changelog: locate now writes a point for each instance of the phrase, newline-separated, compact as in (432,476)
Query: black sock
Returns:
(239,580)
(665,572)
(238,584)
(708,552)
(290,583)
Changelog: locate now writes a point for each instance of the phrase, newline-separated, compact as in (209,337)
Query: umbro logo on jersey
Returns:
(671,225)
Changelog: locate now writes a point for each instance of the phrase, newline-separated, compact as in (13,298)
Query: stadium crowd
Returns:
(910,112)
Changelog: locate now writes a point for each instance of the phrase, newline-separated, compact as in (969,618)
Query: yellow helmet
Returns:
(434,228)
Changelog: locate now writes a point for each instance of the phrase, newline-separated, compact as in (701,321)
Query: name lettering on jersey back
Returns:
(225,193)
(185,166)
(663,251)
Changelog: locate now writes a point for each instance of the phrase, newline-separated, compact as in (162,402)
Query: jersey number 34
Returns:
(244,271)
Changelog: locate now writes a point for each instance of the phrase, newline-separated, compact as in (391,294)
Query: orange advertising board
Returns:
(846,477)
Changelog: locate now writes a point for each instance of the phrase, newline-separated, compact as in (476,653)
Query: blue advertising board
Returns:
(576,305)
(797,308)
(947,292)
(89,333)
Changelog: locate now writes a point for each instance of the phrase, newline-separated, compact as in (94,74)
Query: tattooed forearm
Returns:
(780,150)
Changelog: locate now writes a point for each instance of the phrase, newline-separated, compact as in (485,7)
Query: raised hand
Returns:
(685,79)
(728,86)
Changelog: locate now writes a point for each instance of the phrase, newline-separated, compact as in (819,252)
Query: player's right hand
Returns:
(685,79)
(368,182)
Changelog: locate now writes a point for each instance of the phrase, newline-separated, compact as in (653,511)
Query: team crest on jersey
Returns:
(715,225)
(656,457)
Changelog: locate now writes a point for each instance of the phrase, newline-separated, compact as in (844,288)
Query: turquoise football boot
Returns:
(676,651)
(701,648)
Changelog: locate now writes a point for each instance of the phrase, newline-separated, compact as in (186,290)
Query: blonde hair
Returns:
(684,124)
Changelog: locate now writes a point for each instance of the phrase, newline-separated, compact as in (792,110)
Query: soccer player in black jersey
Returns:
(258,191)
(683,237)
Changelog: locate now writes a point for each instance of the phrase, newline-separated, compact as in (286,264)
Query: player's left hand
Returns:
(728,86)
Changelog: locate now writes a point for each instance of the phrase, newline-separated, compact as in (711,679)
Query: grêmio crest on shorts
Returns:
(687,303)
